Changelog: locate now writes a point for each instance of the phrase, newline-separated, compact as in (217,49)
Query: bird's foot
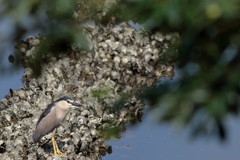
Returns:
(58,152)
(56,149)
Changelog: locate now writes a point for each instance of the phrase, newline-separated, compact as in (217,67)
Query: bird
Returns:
(51,118)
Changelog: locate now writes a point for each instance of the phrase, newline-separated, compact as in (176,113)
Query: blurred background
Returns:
(201,101)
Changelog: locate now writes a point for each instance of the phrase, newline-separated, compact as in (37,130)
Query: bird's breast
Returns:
(61,114)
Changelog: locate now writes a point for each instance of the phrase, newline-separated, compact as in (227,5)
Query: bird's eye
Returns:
(68,101)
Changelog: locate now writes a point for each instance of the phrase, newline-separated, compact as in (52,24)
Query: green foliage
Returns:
(119,104)
(208,59)
(54,20)
(56,42)
(101,92)
(111,131)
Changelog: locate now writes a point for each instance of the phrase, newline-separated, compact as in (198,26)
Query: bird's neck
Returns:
(61,113)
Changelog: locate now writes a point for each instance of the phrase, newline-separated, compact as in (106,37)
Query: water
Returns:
(10,76)
(153,141)
(150,140)
(10,80)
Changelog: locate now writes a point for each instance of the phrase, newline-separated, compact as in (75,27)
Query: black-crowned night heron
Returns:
(51,118)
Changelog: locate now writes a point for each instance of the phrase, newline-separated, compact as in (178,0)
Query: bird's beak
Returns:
(76,104)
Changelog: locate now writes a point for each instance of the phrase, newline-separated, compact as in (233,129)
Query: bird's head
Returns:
(66,103)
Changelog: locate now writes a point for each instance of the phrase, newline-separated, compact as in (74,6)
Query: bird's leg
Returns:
(55,146)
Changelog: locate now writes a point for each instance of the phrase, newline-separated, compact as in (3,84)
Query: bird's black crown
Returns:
(64,98)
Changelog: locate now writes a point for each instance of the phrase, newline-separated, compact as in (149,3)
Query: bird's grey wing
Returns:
(46,125)
(46,111)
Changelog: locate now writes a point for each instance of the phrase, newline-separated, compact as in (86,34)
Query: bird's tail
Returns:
(36,136)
